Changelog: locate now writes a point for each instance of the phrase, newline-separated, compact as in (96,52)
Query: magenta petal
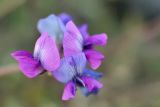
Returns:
(73,40)
(21,55)
(29,66)
(69,91)
(99,39)
(46,51)
(94,58)
(91,83)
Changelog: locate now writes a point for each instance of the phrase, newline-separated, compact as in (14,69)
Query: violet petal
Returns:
(65,18)
(84,31)
(98,39)
(91,83)
(94,58)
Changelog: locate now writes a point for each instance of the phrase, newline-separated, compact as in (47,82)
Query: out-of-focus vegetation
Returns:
(131,68)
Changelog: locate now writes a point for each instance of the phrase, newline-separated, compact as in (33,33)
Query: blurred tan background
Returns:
(131,67)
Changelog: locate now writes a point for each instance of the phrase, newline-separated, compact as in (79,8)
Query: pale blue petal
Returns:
(53,26)
(70,67)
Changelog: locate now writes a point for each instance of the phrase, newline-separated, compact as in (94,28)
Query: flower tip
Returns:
(12,54)
(67,98)
(100,85)
(64,14)
(95,66)
(105,38)
(15,54)
(29,76)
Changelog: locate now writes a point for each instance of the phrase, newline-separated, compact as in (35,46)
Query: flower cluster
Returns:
(64,50)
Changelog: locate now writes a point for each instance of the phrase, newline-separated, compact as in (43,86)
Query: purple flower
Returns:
(78,49)
(72,72)
(76,41)
(45,57)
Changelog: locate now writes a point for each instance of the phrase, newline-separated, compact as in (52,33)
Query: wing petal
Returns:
(94,58)
(99,39)
(91,83)
(29,66)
